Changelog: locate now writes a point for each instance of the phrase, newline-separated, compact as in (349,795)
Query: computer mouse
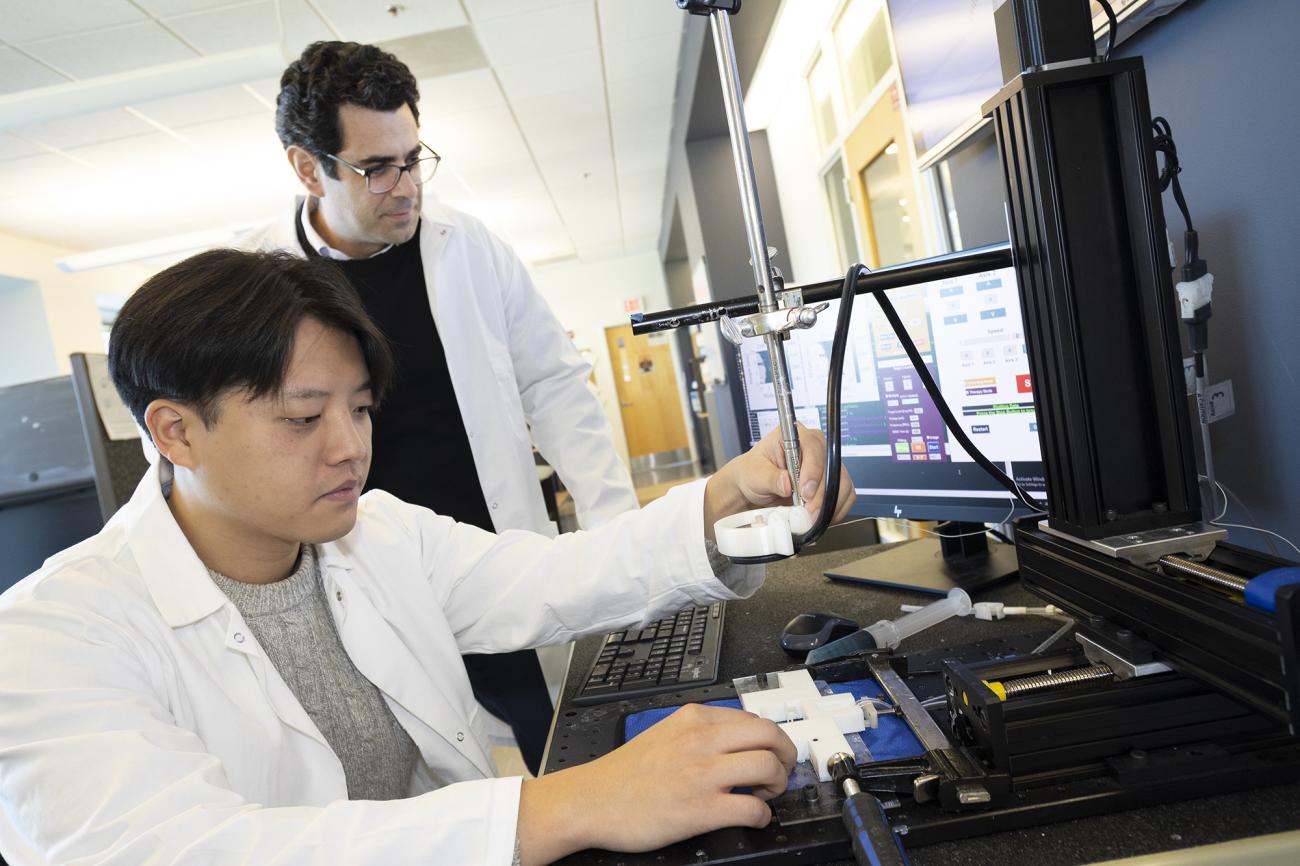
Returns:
(808,631)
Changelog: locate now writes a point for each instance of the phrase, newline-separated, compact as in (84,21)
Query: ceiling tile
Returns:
(643,57)
(621,21)
(178,112)
(166,8)
(640,92)
(549,141)
(370,22)
(476,138)
(563,112)
(12,147)
(60,17)
(593,221)
(580,171)
(70,132)
(642,156)
(649,122)
(503,181)
(486,10)
(594,252)
(457,94)
(266,88)
(18,72)
(557,31)
(47,174)
(121,49)
(232,28)
(438,53)
(530,80)
(639,185)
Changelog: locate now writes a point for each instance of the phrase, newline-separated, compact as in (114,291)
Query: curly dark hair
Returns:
(329,74)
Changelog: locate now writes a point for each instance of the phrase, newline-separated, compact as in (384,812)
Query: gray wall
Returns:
(1224,74)
(977,193)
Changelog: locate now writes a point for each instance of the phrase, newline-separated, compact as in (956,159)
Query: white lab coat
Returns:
(141,722)
(514,370)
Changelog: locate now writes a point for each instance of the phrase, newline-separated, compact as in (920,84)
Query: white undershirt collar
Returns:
(318,243)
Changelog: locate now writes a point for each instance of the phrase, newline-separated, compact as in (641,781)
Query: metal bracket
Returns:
(705,7)
(1194,540)
(1124,667)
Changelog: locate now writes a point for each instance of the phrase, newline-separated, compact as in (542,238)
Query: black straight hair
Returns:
(226,319)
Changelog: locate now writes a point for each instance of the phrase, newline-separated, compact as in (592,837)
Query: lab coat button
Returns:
(460,736)
(239,637)
(338,594)
(494,506)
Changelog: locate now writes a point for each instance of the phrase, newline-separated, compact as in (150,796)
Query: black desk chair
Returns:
(118,464)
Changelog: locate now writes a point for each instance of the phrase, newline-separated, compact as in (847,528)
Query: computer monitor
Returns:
(903,461)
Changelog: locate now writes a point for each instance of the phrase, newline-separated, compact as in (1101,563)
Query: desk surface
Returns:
(796,585)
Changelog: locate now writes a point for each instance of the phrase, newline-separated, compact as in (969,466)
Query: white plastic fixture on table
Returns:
(762,531)
(814,722)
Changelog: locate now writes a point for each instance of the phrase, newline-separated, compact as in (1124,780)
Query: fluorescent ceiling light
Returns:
(151,249)
(121,89)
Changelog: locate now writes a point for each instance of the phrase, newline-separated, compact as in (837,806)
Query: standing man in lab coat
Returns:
(485,371)
(253,663)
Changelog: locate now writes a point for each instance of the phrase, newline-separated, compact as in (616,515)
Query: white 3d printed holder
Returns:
(762,532)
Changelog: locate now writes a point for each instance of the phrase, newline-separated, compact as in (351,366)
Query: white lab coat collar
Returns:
(175,576)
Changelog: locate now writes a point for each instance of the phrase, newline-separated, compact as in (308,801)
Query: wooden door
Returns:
(647,391)
(882,183)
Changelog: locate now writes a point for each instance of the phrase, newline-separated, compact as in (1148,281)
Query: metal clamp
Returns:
(704,7)
(780,321)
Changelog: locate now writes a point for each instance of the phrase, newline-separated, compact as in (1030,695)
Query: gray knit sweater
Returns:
(292,623)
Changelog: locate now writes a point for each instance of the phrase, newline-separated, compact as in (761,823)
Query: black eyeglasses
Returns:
(384,178)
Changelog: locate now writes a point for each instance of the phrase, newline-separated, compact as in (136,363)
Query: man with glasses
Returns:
(484,368)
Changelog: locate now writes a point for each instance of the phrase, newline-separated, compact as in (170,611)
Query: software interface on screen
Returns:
(895,446)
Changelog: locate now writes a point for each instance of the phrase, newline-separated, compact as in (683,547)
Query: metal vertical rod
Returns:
(720,23)
(1203,414)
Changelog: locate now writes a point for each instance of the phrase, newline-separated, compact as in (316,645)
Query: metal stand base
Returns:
(920,565)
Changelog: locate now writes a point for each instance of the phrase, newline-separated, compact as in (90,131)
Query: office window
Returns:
(862,41)
(892,226)
(821,86)
(837,196)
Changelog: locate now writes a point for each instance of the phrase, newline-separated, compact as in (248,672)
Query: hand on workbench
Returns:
(758,478)
(669,783)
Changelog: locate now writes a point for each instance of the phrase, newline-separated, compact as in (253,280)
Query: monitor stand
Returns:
(960,557)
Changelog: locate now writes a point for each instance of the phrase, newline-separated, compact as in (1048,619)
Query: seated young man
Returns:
(251,663)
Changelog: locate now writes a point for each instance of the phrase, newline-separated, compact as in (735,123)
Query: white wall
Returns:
(67,314)
(797,163)
(588,297)
(28,353)
(778,101)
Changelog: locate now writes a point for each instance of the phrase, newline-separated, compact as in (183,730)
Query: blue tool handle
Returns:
(874,842)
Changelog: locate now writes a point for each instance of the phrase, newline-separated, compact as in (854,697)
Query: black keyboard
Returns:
(672,653)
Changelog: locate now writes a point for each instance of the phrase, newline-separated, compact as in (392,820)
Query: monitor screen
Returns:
(902,459)
(948,58)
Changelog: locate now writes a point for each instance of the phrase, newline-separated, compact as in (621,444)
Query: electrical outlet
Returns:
(1220,400)
(1189,374)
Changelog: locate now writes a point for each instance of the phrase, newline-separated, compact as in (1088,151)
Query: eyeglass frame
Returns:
(365,173)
